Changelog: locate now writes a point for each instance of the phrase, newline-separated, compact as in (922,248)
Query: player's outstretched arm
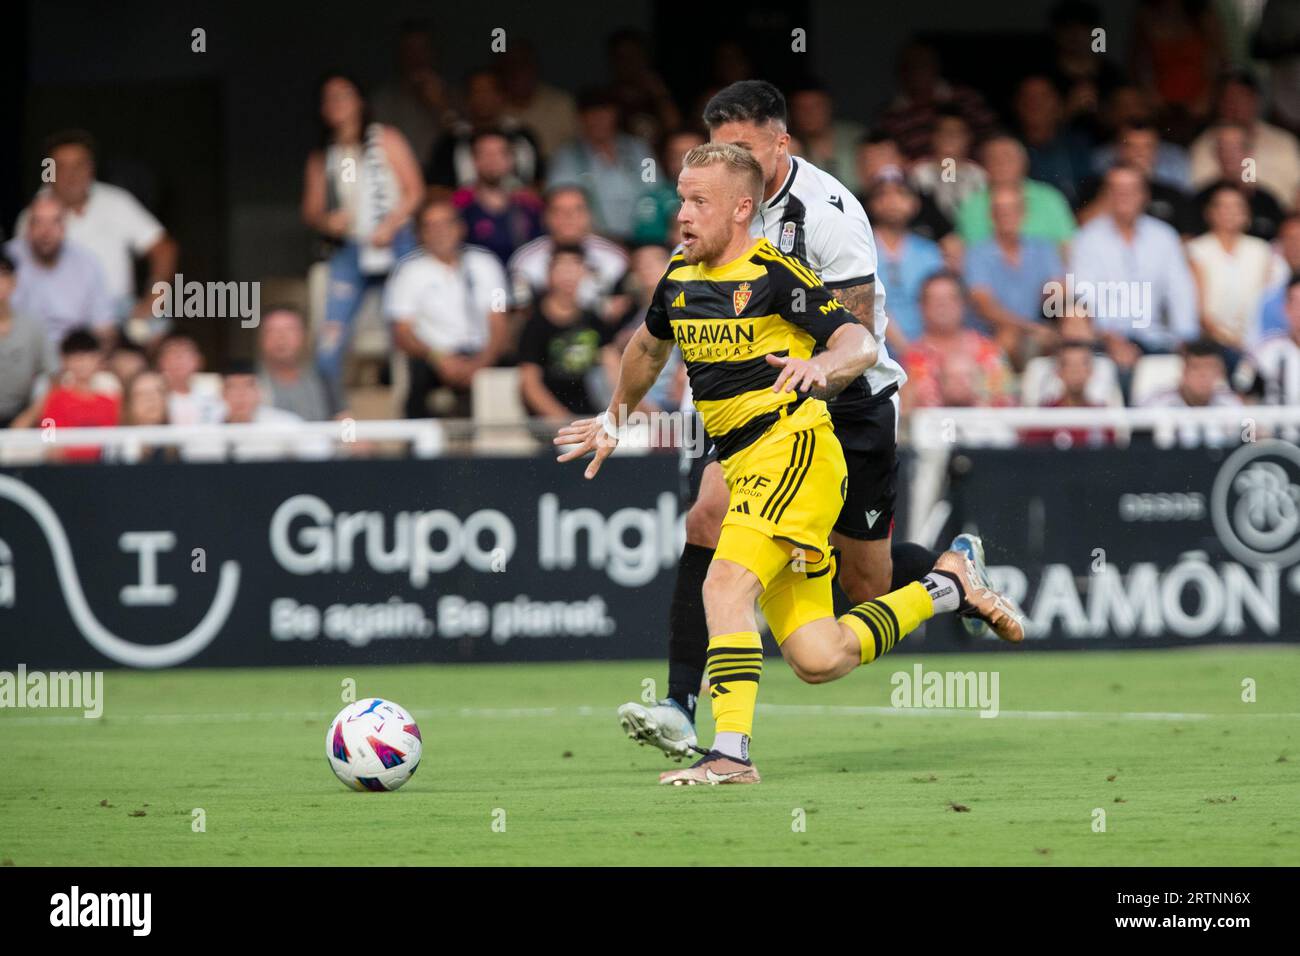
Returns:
(643,360)
(850,351)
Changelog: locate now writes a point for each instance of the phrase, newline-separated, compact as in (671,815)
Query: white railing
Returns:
(928,428)
(422,438)
(931,428)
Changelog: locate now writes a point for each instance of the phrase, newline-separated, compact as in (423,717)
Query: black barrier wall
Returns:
(340,562)
(520,559)
(1138,547)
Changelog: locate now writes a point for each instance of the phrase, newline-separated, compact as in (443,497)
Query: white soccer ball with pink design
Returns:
(373,744)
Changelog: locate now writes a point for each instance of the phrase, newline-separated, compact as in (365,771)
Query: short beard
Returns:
(700,252)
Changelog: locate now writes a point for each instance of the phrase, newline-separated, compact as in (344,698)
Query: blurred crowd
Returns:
(1116,232)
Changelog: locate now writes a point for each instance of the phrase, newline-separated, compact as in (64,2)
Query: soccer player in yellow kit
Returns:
(764,343)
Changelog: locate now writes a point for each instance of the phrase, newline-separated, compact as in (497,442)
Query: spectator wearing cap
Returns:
(910,118)
(446,306)
(905,259)
(60,282)
(1135,268)
(499,214)
(288,379)
(1047,213)
(606,163)
(877,152)
(452,165)
(1008,276)
(567,220)
(111,223)
(949,364)
(1233,271)
(1275,151)
(24,354)
(74,402)
(1233,151)
(828,142)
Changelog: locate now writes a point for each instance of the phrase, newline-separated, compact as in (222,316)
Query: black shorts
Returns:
(872,485)
(868,512)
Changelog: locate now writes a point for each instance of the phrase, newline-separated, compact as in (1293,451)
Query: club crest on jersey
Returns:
(788,232)
(740,298)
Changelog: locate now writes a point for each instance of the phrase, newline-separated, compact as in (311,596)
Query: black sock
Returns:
(688,630)
(911,563)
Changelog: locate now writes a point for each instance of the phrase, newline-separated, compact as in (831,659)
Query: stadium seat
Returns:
(500,419)
(1154,374)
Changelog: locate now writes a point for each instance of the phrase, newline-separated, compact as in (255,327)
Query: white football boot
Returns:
(664,724)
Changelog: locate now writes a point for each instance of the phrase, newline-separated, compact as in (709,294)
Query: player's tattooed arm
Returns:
(861,301)
(849,352)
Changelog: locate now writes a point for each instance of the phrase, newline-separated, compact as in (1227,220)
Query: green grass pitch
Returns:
(1185,771)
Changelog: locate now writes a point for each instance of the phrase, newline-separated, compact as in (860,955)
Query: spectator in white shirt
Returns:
(567,219)
(1233,270)
(241,394)
(188,401)
(1131,273)
(1204,384)
(111,223)
(60,283)
(447,308)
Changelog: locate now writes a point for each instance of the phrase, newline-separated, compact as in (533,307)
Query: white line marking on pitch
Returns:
(775,710)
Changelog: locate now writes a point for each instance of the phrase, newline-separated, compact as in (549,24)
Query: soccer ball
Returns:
(373,744)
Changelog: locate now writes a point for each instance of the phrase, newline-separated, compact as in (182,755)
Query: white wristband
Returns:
(610,429)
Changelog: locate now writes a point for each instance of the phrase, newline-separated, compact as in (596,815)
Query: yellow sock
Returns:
(882,623)
(735,664)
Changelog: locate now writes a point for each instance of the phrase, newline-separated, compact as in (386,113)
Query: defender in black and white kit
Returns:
(809,214)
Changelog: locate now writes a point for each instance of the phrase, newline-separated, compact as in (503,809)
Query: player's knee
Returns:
(815,665)
(729,585)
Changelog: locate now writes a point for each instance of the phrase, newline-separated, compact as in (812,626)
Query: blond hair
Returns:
(740,162)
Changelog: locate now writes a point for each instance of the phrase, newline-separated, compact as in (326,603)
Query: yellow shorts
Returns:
(795,591)
(789,486)
(786,492)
